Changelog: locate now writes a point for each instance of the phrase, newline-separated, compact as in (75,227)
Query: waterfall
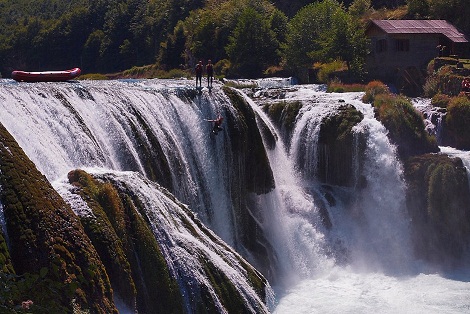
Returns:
(384,231)
(373,228)
(139,132)
(290,218)
(186,244)
(433,116)
(121,125)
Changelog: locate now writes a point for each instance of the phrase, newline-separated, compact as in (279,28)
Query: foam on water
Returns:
(92,125)
(342,290)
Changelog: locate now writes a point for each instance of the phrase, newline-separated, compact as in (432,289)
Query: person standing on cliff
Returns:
(199,74)
(210,73)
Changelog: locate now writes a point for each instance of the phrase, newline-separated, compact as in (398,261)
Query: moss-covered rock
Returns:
(248,144)
(438,201)
(337,146)
(283,114)
(254,175)
(46,239)
(456,131)
(130,252)
(6,265)
(405,125)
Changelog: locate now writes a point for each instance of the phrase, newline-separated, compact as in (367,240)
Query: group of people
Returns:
(209,72)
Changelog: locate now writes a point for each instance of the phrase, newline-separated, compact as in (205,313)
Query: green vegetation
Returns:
(149,39)
(437,198)
(444,77)
(338,87)
(127,247)
(440,100)
(458,122)
(404,123)
(48,248)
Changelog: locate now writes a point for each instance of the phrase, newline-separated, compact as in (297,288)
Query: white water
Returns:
(185,248)
(95,124)
(462,154)
(381,275)
(378,273)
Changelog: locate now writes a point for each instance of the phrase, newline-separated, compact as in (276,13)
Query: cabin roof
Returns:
(421,27)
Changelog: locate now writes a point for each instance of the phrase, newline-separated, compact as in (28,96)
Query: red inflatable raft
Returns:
(48,76)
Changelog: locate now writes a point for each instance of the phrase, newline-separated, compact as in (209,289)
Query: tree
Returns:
(418,8)
(278,23)
(252,45)
(360,7)
(324,31)
(344,40)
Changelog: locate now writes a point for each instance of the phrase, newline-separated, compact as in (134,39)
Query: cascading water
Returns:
(362,264)
(290,218)
(374,226)
(370,227)
(433,116)
(95,124)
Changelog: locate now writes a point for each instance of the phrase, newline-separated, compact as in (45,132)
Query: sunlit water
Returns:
(381,275)
(89,124)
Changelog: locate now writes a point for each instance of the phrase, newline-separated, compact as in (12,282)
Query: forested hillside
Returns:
(244,38)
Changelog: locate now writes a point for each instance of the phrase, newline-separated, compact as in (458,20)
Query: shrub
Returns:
(373,89)
(336,86)
(440,100)
(431,86)
(326,70)
(405,125)
(458,121)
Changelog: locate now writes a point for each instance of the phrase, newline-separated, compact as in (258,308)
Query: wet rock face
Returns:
(254,176)
(46,238)
(456,129)
(437,200)
(127,247)
(337,147)
(405,125)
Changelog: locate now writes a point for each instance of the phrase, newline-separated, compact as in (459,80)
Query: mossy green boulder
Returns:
(46,242)
(437,199)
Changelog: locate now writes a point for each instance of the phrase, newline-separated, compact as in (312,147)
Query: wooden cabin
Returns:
(401,49)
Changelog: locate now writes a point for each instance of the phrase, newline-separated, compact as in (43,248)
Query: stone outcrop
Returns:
(338,145)
(47,244)
(127,247)
(437,200)
(254,175)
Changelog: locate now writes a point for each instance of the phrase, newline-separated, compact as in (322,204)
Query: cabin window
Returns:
(402,45)
(381,45)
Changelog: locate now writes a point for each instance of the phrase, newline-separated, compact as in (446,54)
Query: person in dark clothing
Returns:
(210,73)
(199,74)
(217,124)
